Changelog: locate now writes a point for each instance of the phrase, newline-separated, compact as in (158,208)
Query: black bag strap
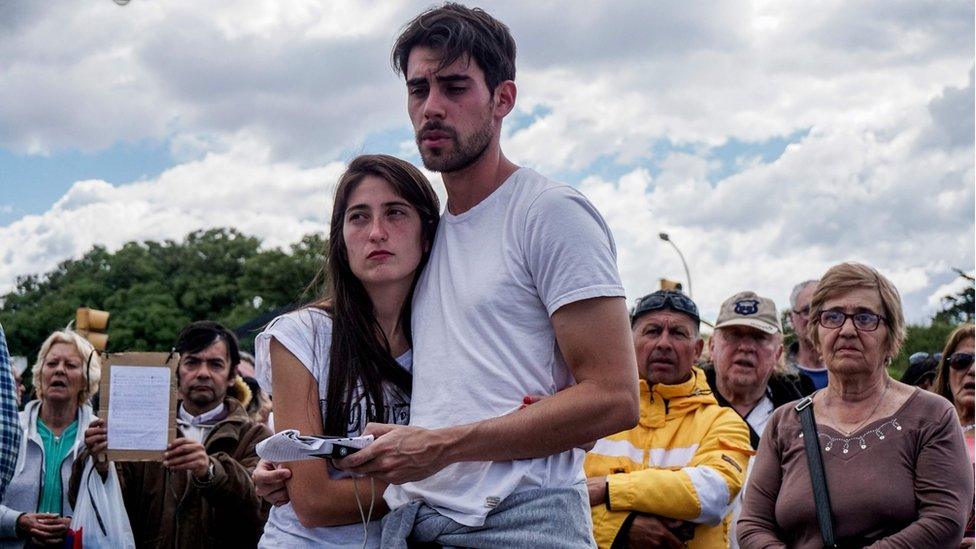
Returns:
(91,499)
(821,495)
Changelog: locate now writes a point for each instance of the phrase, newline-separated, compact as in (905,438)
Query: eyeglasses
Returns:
(863,322)
(961,361)
(666,299)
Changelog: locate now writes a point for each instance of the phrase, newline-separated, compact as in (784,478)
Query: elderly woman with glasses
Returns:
(893,455)
(35,509)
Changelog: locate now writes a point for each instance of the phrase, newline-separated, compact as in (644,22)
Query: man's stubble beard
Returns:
(203,400)
(465,152)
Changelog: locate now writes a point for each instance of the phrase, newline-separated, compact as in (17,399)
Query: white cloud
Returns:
(312,77)
(835,196)
(632,100)
(241,188)
(953,287)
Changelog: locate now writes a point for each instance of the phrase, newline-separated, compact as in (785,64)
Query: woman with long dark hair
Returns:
(344,360)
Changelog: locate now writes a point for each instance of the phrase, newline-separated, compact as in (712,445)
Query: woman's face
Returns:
(62,374)
(847,350)
(961,380)
(382,234)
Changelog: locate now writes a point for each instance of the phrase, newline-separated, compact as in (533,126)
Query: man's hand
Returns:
(651,531)
(399,454)
(269,482)
(184,454)
(597,488)
(44,528)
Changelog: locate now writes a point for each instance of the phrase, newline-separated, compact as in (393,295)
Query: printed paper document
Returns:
(138,407)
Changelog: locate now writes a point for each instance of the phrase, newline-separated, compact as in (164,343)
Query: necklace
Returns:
(967,428)
(865,420)
(860,440)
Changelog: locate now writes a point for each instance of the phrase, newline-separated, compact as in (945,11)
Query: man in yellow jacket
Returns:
(668,481)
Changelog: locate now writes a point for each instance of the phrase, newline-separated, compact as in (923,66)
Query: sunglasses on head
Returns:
(666,299)
(922,356)
(960,361)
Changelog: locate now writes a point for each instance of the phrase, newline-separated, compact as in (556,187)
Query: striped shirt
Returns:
(9,424)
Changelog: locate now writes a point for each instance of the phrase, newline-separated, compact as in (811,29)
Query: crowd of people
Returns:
(513,398)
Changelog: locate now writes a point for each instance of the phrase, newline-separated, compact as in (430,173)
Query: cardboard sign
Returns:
(137,399)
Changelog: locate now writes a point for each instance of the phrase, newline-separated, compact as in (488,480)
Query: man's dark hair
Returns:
(455,31)
(199,335)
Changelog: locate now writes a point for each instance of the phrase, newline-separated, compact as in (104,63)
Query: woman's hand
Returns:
(44,528)
(269,482)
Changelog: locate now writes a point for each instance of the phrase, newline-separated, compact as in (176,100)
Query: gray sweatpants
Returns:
(545,517)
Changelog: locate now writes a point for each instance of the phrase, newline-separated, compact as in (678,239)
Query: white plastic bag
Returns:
(100,511)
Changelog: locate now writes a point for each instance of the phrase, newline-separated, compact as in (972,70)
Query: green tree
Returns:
(153,289)
(956,309)
(920,338)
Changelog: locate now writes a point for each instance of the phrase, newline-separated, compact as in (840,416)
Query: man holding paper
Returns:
(201,494)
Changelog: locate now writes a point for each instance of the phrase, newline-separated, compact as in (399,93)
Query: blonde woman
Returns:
(35,507)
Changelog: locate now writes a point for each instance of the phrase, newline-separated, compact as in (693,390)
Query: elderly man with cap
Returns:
(747,372)
(668,481)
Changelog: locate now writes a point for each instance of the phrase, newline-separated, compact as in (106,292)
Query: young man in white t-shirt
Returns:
(521,297)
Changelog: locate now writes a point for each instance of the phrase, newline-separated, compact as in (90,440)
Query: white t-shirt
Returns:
(483,337)
(307,334)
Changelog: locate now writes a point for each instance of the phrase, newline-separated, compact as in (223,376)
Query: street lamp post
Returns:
(666,238)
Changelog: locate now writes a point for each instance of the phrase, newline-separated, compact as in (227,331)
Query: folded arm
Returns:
(699,492)
(318,500)
(594,338)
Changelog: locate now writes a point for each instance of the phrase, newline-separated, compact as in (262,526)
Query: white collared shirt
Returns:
(760,414)
(198,427)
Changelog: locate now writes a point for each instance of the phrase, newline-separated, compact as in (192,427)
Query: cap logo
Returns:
(747,307)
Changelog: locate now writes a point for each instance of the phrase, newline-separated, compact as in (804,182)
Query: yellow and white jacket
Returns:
(686,459)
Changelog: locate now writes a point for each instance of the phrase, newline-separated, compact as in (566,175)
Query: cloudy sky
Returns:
(770,139)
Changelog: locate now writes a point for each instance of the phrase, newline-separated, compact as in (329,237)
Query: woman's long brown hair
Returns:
(360,353)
